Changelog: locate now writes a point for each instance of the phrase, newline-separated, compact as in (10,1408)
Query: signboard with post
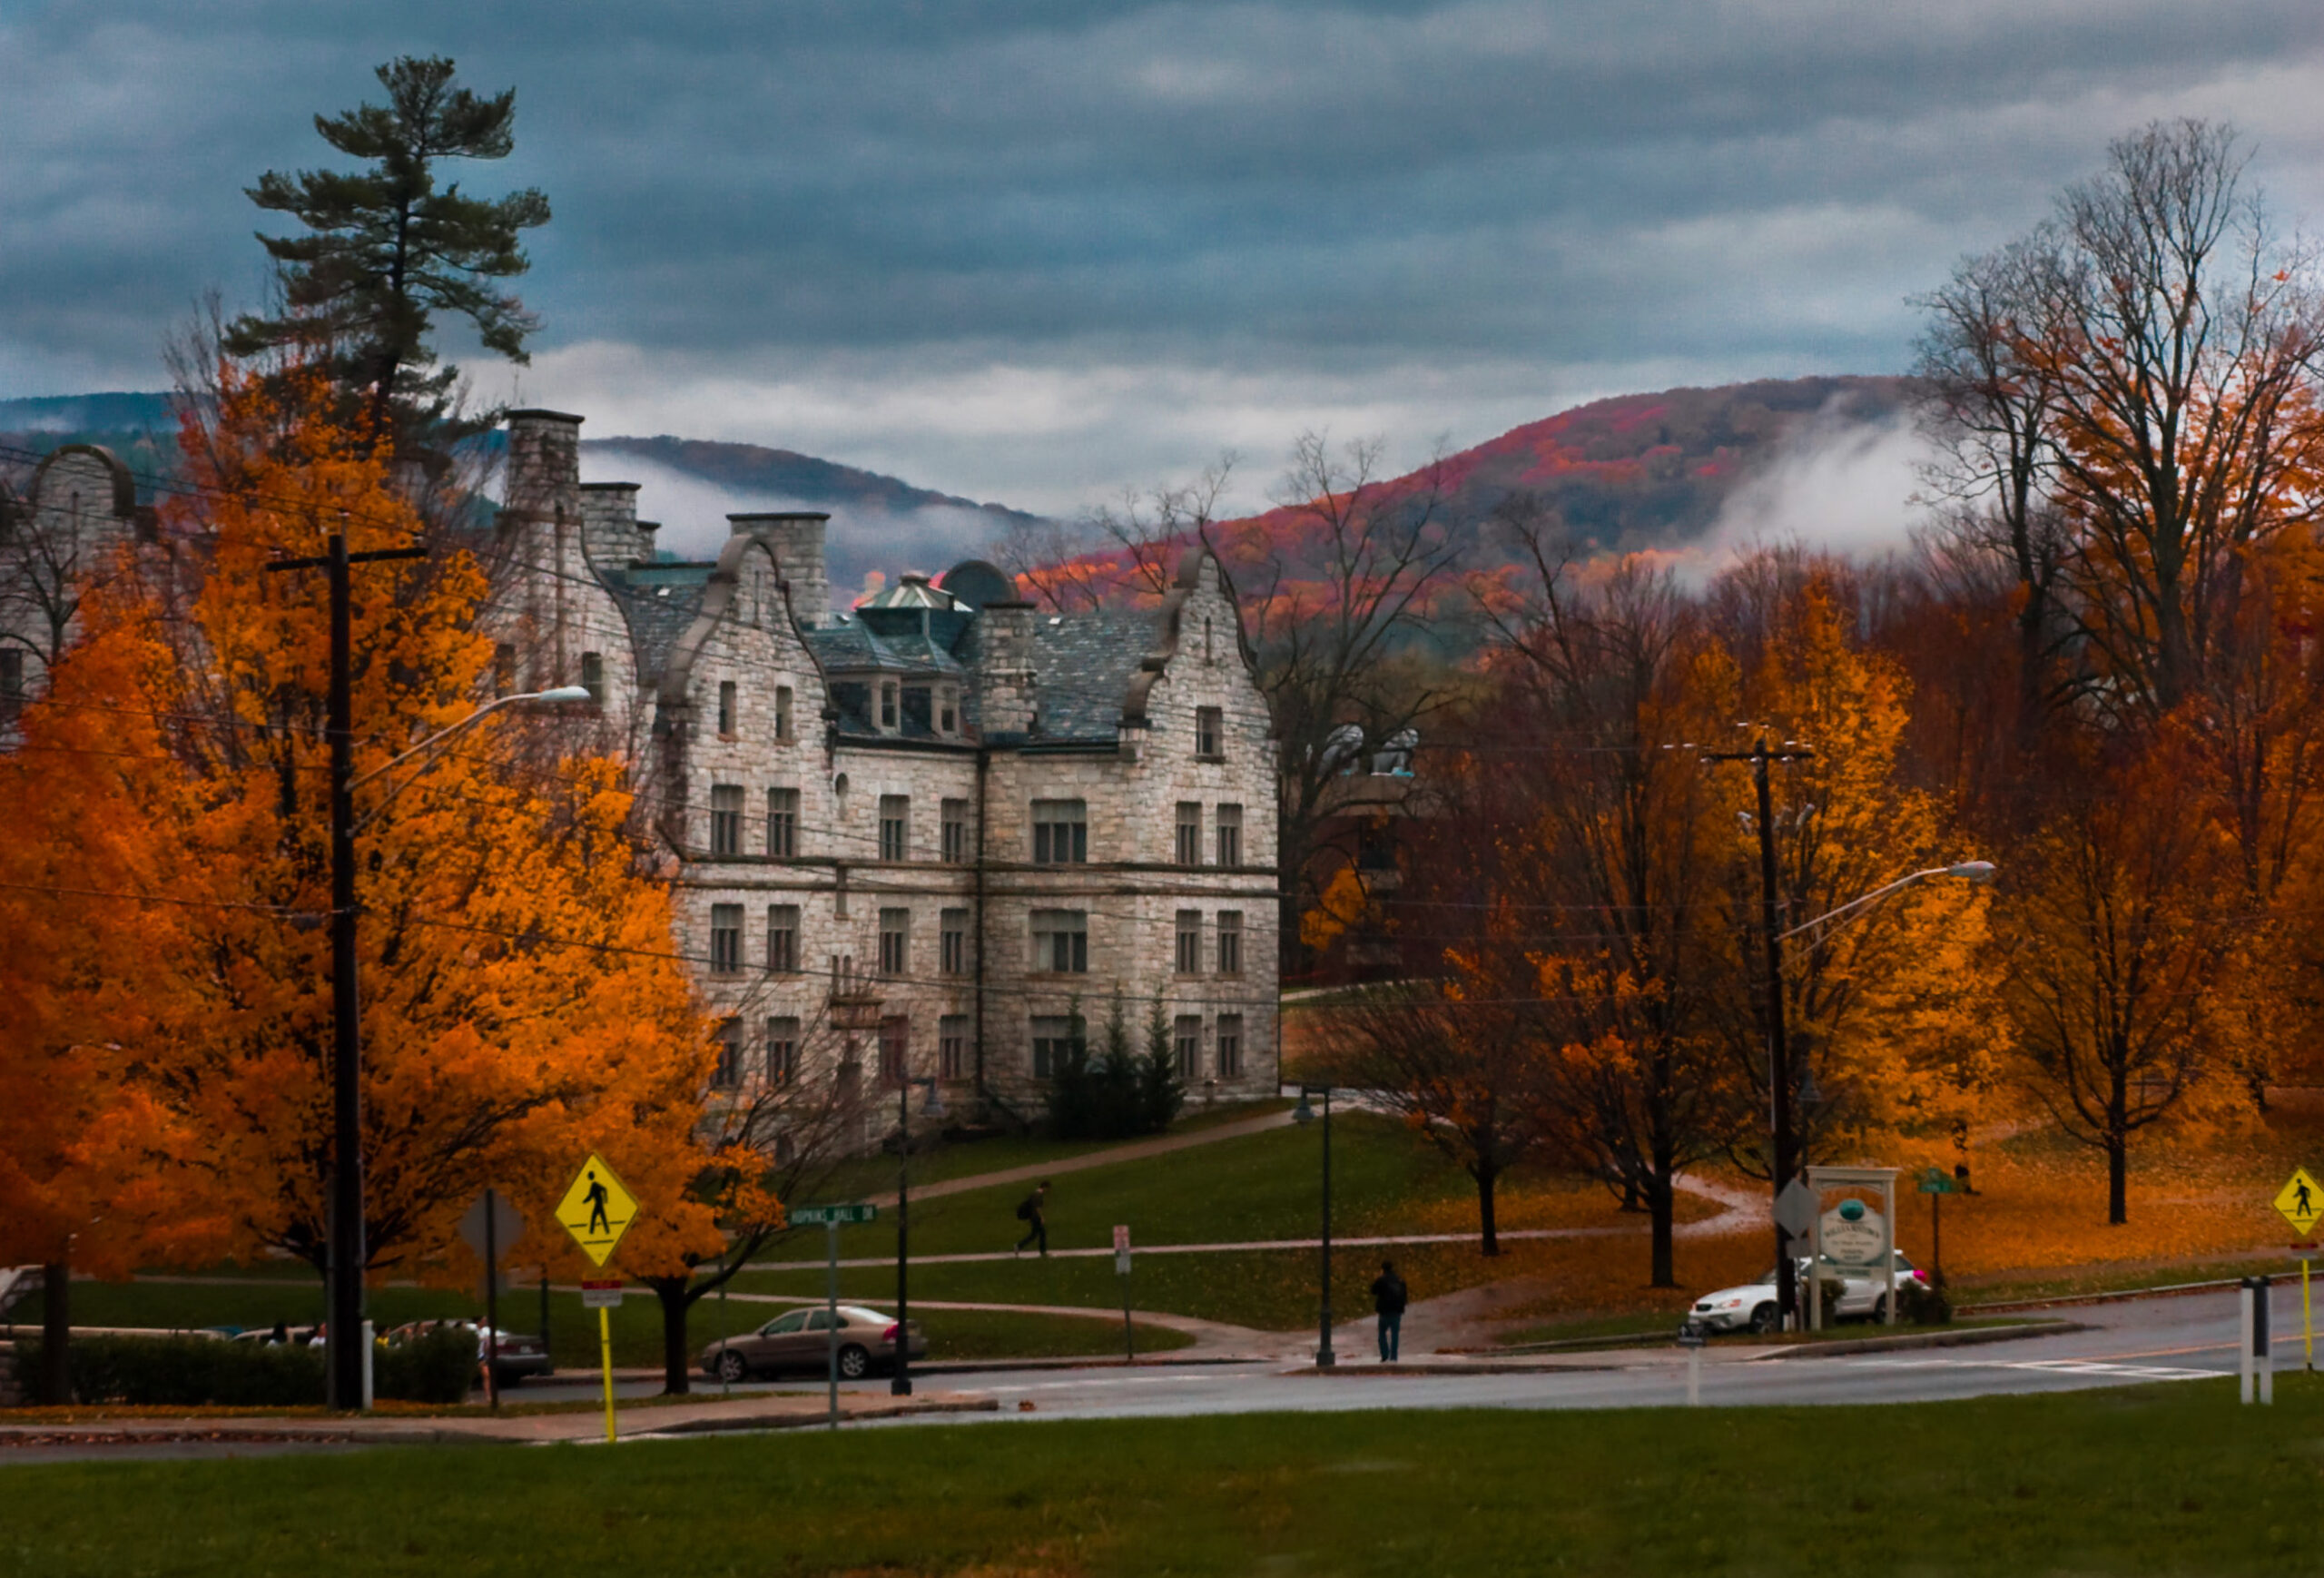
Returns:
(597,1210)
(2300,1202)
(1121,1269)
(1853,1236)
(832,1218)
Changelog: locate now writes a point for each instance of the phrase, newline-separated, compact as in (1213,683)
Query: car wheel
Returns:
(731,1367)
(1763,1319)
(1880,1311)
(855,1364)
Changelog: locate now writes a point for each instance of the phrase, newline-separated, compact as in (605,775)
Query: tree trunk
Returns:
(2118,1160)
(1490,1236)
(56,1334)
(1660,1198)
(677,1371)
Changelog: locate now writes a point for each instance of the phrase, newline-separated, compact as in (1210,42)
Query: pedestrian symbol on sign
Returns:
(2301,1201)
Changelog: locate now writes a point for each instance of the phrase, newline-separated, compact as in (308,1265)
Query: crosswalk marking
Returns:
(2052,1367)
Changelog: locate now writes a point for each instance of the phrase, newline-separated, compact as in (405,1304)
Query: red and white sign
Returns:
(601,1295)
(1121,1240)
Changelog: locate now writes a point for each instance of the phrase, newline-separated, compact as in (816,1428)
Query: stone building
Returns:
(930,830)
(60,538)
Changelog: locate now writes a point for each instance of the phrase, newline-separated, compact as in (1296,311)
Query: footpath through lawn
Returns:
(2166,1479)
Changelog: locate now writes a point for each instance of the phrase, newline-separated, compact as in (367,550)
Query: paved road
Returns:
(2183,1339)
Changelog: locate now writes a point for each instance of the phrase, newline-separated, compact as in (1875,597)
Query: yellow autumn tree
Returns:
(522,1003)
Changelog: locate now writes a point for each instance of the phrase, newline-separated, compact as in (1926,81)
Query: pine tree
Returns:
(387,249)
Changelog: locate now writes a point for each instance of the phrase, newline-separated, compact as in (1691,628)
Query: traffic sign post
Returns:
(491,1225)
(831,1217)
(1690,1337)
(597,1210)
(1937,1183)
(2302,1203)
(1121,1269)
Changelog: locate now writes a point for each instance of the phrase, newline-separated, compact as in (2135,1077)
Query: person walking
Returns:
(1029,1210)
(1388,1297)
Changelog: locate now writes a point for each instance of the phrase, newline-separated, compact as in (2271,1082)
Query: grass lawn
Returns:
(572,1331)
(2174,1479)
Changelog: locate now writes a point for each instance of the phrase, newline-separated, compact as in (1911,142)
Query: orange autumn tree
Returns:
(521,1000)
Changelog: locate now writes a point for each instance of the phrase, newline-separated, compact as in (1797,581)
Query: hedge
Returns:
(192,1372)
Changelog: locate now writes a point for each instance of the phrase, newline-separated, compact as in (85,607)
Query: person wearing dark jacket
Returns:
(1029,1211)
(1388,1297)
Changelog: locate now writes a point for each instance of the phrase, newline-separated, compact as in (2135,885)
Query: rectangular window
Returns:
(726,939)
(888,705)
(953,942)
(952,1046)
(1060,832)
(503,669)
(1230,836)
(12,685)
(1062,942)
(783,712)
(1189,960)
(726,709)
(1230,942)
(895,827)
(593,675)
(727,1072)
(1054,1040)
(725,819)
(782,1050)
(1189,846)
(1230,1046)
(783,939)
(1210,732)
(956,833)
(895,1048)
(895,941)
(782,823)
(1186,1037)
(948,711)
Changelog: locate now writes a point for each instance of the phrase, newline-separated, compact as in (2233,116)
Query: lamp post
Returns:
(1325,1359)
(901,1386)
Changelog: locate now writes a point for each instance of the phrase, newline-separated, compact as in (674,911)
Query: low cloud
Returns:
(1840,484)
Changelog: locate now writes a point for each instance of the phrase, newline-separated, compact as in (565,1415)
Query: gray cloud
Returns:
(1040,250)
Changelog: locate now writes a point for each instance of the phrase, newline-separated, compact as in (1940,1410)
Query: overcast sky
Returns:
(1040,250)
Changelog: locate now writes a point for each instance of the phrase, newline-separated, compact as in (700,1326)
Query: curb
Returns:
(1089,1362)
(2168,1290)
(817,1420)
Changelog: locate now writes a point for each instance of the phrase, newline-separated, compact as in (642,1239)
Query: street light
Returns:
(1325,1359)
(344,1304)
(901,1386)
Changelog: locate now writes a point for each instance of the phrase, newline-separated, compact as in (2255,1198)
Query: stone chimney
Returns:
(1005,702)
(609,533)
(544,467)
(797,538)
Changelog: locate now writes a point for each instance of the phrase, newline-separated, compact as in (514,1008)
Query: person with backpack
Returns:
(1388,1297)
(1028,1209)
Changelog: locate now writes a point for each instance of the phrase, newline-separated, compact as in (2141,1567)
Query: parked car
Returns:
(1752,1305)
(302,1336)
(519,1354)
(799,1339)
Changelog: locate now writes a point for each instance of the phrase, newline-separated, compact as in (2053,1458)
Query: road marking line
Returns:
(2052,1367)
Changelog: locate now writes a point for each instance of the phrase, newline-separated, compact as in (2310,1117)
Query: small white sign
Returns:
(1855,1236)
(601,1296)
(1121,1263)
(1121,1240)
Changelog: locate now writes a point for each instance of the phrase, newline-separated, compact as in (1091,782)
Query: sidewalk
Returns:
(1161,1145)
(775,1411)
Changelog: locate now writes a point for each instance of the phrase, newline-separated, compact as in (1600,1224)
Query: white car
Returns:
(1752,1307)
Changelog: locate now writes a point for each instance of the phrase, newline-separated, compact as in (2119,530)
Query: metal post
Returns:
(726,1386)
(1129,1336)
(545,1347)
(370,1350)
(831,1311)
(1937,1237)
(348,1253)
(1778,1048)
(2263,1353)
(900,1387)
(2245,1376)
(605,1358)
(491,1302)
(1325,1357)
(2307,1325)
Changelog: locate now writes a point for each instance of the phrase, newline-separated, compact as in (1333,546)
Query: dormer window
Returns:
(889,703)
(948,711)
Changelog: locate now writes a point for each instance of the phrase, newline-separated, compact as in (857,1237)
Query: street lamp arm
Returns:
(561,694)
(1975,871)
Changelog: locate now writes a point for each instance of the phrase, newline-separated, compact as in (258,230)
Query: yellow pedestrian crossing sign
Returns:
(2301,1202)
(597,1210)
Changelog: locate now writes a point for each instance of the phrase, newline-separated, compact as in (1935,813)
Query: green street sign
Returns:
(812,1216)
(1937,1181)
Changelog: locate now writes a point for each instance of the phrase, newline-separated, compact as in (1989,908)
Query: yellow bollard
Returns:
(606,1348)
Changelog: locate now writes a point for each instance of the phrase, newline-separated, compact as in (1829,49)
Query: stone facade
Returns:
(60,538)
(916,836)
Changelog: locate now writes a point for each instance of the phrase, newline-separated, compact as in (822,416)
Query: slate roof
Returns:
(660,602)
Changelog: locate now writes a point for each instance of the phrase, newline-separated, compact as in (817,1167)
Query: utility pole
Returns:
(343,1351)
(1784,1161)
